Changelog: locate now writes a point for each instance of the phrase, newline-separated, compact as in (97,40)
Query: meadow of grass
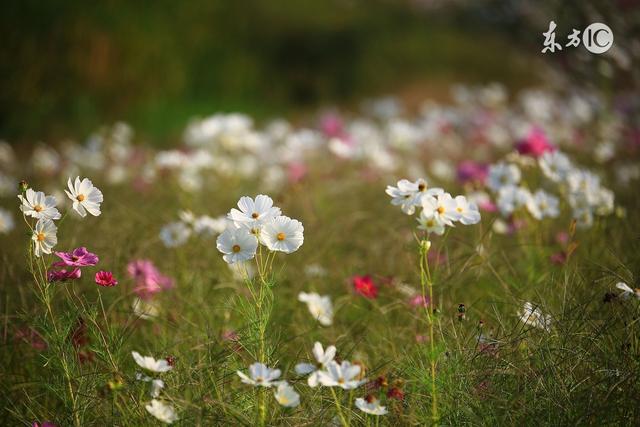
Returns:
(66,346)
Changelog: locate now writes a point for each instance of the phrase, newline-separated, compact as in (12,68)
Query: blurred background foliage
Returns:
(67,67)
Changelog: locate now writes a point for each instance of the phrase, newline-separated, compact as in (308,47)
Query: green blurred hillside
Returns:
(70,66)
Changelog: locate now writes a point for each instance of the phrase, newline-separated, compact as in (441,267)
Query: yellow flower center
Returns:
(236,248)
(255,215)
(80,197)
(422,187)
(38,208)
(340,380)
(281,236)
(440,210)
(40,237)
(458,209)
(430,223)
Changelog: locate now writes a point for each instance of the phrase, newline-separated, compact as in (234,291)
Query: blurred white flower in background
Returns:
(319,306)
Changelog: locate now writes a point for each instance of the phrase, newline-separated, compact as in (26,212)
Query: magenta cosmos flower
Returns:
(535,143)
(79,257)
(105,278)
(149,281)
(62,275)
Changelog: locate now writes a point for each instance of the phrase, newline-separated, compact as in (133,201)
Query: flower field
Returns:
(467,262)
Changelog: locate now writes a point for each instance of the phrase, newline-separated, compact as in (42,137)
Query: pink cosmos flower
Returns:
(419,300)
(79,257)
(44,424)
(558,258)
(364,286)
(535,143)
(470,171)
(331,125)
(149,281)
(296,171)
(62,275)
(32,337)
(105,278)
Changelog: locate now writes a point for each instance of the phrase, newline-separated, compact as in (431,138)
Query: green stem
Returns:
(339,408)
(427,286)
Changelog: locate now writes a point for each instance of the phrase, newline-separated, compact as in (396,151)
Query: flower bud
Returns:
(23,186)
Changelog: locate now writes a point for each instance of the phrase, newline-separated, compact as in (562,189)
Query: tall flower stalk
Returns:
(258,231)
(39,213)
(438,210)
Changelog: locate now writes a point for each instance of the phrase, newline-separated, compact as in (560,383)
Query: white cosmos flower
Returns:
(237,244)
(511,198)
(44,237)
(6,221)
(627,291)
(210,226)
(151,364)
(319,306)
(430,224)
(370,405)
(323,357)
(343,375)
(260,375)
(156,387)
(441,207)
(282,234)
(533,316)
(85,197)
(468,211)
(175,234)
(554,165)
(503,174)
(409,194)
(583,217)
(162,411)
(287,395)
(252,213)
(37,205)
(543,205)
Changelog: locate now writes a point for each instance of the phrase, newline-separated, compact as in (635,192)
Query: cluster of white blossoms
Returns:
(258,222)
(580,188)
(533,316)
(160,409)
(262,376)
(35,204)
(439,208)
(324,371)
(177,233)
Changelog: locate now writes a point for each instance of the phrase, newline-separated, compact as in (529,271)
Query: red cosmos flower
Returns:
(105,278)
(364,286)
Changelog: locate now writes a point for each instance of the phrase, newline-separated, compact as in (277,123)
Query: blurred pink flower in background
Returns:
(31,337)
(562,238)
(558,258)
(470,171)
(148,280)
(535,143)
(331,125)
(419,300)
(296,171)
